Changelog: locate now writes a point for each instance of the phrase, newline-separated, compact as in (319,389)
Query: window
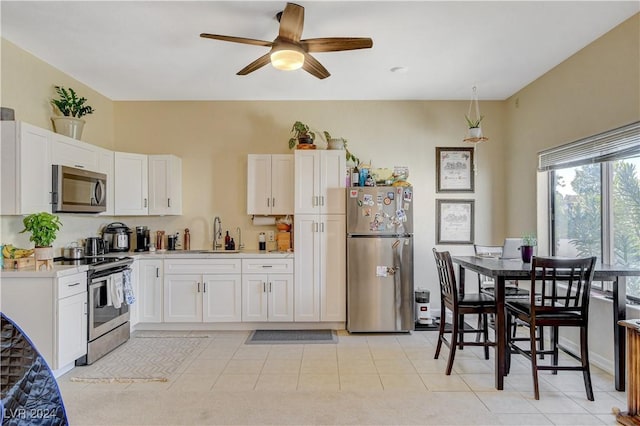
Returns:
(595,200)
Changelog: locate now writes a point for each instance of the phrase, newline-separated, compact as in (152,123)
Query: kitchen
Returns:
(222,133)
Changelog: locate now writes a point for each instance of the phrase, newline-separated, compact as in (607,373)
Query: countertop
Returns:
(64,270)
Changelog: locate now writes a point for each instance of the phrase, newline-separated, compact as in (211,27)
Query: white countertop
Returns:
(56,272)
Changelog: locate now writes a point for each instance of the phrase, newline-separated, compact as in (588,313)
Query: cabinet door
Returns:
(131,184)
(280,297)
(149,290)
(306,271)
(282,181)
(165,185)
(307,170)
(35,169)
(254,297)
(333,282)
(182,298)
(106,166)
(74,153)
(333,174)
(222,298)
(259,184)
(72,329)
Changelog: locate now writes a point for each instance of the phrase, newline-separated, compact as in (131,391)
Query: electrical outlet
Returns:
(271,236)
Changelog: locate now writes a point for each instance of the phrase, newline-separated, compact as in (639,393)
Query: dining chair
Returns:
(559,297)
(460,305)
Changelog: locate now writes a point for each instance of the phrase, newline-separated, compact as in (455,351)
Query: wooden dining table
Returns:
(502,270)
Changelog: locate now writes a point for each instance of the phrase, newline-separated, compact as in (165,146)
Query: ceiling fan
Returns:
(288,52)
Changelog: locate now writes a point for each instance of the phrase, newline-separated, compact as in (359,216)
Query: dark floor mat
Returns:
(292,336)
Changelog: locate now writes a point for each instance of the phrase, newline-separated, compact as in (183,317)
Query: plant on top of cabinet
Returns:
(340,143)
(302,134)
(43,227)
(72,107)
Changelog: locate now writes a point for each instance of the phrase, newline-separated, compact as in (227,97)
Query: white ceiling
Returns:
(151,50)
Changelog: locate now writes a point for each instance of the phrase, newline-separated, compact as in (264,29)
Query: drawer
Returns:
(202,266)
(72,284)
(260,266)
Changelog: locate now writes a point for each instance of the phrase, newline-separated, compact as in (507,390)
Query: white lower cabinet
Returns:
(320,268)
(202,290)
(149,303)
(52,312)
(267,290)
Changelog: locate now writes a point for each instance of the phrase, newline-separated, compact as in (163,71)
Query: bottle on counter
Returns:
(232,244)
(262,241)
(187,240)
(355,176)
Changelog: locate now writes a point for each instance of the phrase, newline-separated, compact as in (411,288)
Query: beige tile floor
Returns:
(363,380)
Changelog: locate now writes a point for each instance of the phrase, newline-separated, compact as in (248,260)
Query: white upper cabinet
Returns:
(74,153)
(270,184)
(131,184)
(165,185)
(26,169)
(320,179)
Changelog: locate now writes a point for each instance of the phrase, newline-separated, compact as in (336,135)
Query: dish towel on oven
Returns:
(128,287)
(115,292)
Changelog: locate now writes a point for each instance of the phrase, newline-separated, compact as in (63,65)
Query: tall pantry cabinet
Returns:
(320,226)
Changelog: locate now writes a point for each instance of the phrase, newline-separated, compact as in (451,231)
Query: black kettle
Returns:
(94,246)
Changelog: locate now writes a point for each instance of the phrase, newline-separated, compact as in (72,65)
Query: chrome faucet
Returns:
(217,233)
(240,245)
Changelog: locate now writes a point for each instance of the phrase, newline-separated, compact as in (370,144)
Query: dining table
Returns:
(503,270)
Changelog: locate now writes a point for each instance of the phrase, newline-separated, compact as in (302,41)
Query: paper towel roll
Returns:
(264,220)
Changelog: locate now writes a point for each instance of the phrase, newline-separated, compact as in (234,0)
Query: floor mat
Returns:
(268,337)
(139,360)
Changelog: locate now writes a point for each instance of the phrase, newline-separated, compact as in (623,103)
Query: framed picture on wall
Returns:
(454,169)
(455,221)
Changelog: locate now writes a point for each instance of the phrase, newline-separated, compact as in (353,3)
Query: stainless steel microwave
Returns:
(78,191)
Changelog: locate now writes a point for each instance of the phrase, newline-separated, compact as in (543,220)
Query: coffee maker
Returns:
(142,238)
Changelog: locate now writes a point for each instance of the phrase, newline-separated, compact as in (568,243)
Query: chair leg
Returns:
(534,361)
(454,344)
(508,345)
(460,334)
(541,342)
(440,332)
(584,356)
(481,319)
(554,346)
(485,335)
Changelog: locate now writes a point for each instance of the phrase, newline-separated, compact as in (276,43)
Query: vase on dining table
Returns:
(527,253)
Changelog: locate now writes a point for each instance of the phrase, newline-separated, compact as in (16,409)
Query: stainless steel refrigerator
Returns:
(380,259)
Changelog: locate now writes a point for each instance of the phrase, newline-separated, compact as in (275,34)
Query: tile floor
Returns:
(363,379)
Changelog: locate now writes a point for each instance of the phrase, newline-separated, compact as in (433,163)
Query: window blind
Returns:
(616,144)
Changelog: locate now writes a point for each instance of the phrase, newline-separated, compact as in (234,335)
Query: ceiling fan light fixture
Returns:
(287,60)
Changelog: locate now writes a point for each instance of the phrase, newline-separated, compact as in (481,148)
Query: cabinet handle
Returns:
(73,285)
(322,227)
(198,287)
(157,272)
(264,287)
(273,202)
(168,202)
(79,166)
(267,266)
(145,202)
(322,200)
(85,308)
(268,201)
(269,287)
(204,287)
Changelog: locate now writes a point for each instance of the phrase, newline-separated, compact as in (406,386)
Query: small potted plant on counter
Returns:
(529,241)
(303,135)
(43,227)
(73,108)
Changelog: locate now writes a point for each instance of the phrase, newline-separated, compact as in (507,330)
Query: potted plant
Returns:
(43,227)
(529,241)
(340,143)
(301,134)
(73,108)
(474,126)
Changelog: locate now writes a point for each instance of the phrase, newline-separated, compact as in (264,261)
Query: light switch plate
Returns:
(271,236)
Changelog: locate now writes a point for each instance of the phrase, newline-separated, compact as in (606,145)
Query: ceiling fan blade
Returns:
(335,44)
(291,22)
(315,68)
(257,64)
(242,40)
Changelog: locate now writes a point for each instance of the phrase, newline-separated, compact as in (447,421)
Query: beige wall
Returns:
(28,85)
(596,89)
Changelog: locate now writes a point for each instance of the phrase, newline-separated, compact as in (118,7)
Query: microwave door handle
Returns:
(99,192)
